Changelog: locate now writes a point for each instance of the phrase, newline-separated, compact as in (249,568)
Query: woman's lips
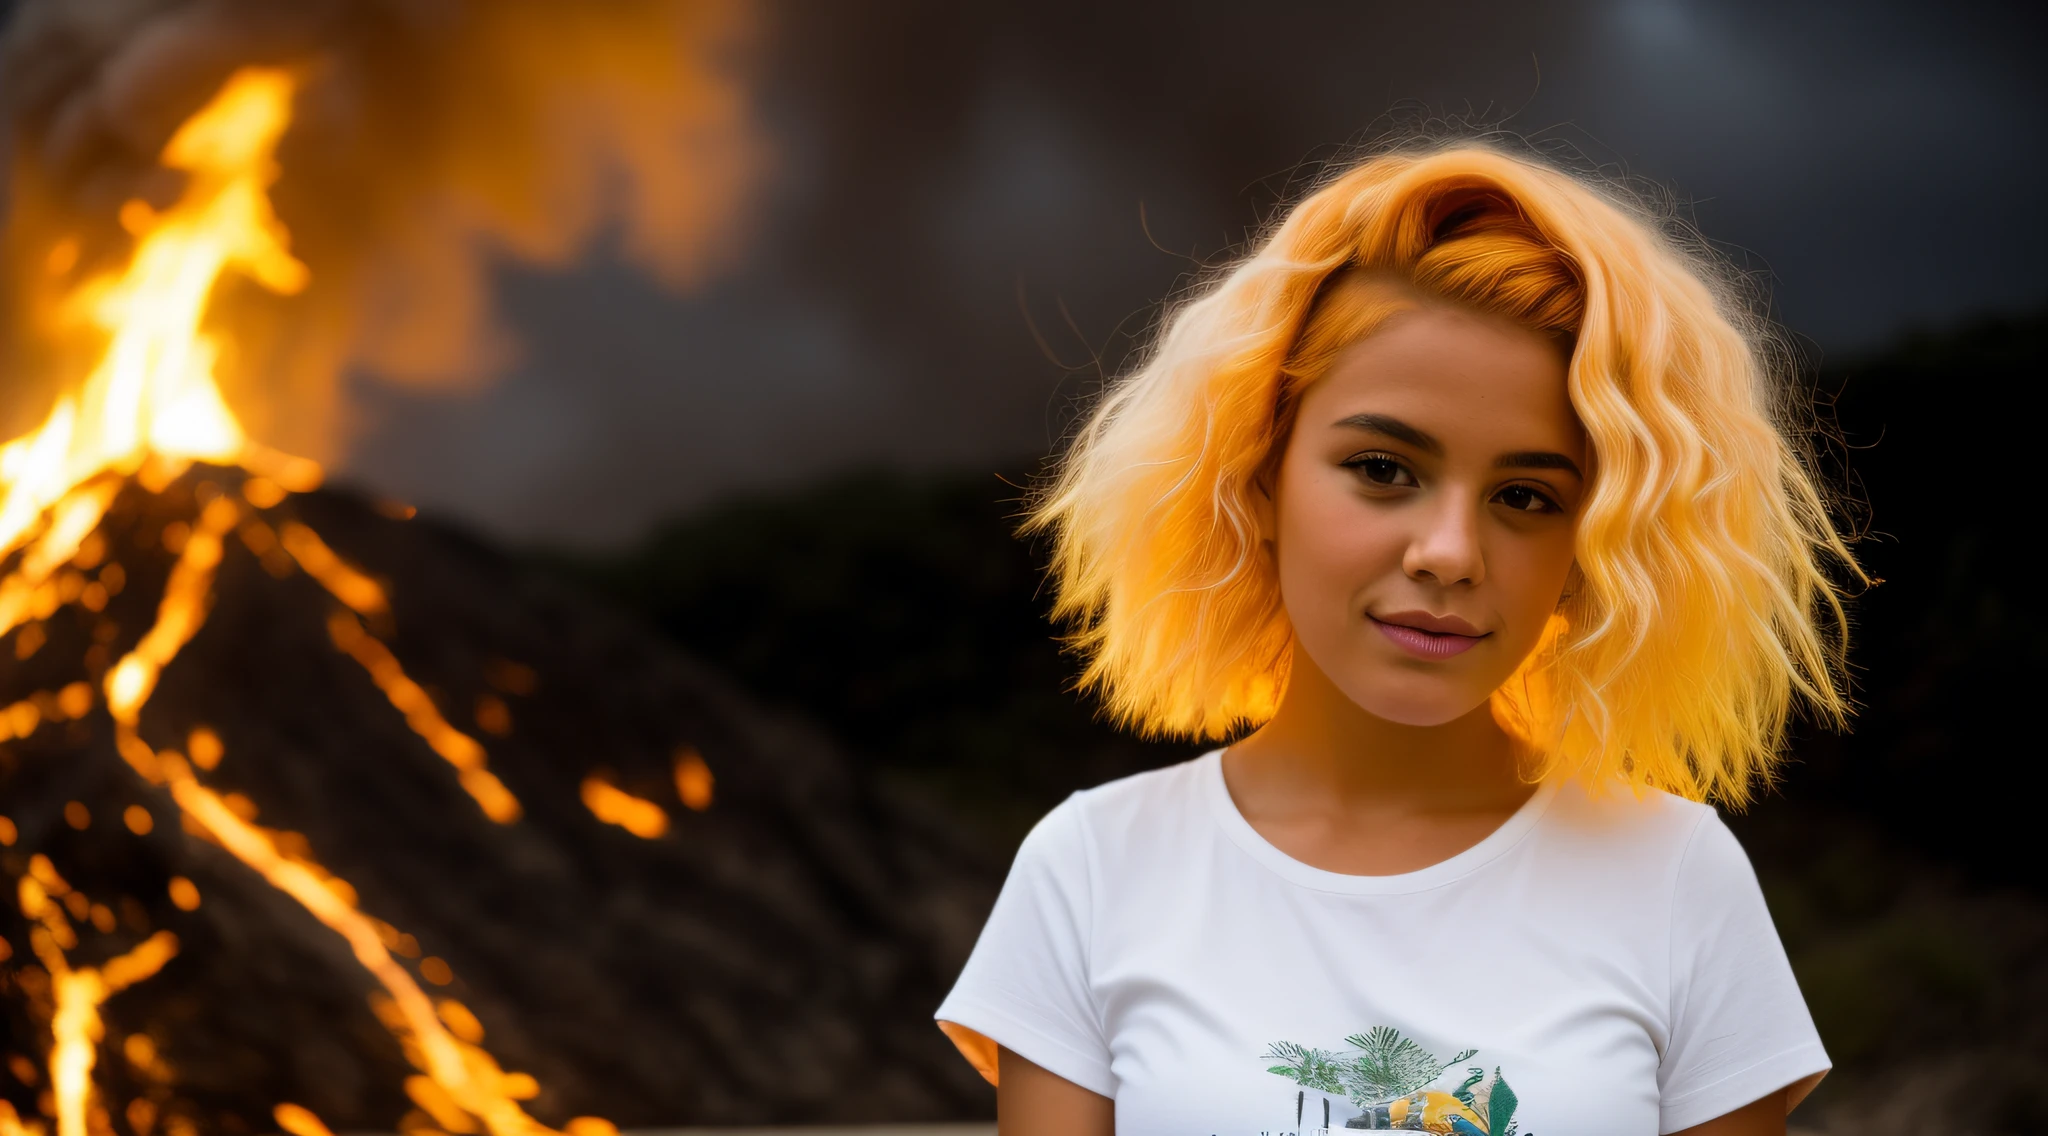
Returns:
(1426,644)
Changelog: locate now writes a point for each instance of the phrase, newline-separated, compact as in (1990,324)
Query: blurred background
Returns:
(677,367)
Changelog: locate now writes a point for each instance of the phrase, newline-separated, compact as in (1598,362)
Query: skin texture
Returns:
(1033,1102)
(1407,485)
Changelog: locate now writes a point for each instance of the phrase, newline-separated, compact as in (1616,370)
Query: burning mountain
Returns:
(321,816)
(770,957)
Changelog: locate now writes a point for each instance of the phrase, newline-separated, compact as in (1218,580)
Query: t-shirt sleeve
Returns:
(1026,986)
(1739,1027)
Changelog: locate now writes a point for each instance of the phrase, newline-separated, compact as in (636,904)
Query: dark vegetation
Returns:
(1900,858)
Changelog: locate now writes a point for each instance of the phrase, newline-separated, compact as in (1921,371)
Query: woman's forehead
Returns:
(1463,377)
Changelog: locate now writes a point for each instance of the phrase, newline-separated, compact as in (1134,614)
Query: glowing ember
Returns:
(693,779)
(299,1121)
(130,682)
(613,805)
(347,585)
(146,410)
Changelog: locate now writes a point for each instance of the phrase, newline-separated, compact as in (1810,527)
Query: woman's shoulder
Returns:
(1141,808)
(1616,823)
(1181,782)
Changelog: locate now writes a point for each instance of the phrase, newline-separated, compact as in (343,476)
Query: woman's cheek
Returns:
(1343,552)
(1535,578)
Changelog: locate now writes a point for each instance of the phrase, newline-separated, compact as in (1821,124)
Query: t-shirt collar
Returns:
(1241,833)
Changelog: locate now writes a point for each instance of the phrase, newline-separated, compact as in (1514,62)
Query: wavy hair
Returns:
(1708,600)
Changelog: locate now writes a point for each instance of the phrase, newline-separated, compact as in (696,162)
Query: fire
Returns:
(153,392)
(613,805)
(11,1125)
(146,410)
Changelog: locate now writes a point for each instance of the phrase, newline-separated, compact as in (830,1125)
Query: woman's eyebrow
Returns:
(1538,459)
(1393,428)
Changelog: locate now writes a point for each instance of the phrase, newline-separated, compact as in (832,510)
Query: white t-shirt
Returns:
(1598,966)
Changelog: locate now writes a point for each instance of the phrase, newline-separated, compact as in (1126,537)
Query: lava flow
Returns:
(148,410)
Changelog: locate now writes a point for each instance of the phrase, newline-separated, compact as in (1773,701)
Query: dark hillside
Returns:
(770,955)
(902,614)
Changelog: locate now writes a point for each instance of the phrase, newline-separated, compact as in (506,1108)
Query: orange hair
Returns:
(1704,544)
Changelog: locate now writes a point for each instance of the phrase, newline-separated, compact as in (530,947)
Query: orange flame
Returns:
(11,1123)
(153,392)
(540,132)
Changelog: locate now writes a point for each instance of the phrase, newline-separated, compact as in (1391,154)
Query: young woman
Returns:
(1471,496)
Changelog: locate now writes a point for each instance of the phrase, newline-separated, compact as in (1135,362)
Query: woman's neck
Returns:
(1324,775)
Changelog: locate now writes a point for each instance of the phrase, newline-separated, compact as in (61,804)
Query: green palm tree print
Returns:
(1388,1078)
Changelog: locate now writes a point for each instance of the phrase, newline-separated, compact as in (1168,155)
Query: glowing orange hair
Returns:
(1704,543)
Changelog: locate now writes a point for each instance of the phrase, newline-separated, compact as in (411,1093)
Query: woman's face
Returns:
(1423,511)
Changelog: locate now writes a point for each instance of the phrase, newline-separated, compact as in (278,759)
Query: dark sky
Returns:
(947,174)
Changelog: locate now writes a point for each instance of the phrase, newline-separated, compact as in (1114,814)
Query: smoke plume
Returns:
(432,140)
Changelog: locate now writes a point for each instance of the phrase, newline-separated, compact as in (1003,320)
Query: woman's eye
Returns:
(1381,471)
(1523,499)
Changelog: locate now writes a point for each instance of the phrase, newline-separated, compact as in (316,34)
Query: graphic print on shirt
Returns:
(1396,1084)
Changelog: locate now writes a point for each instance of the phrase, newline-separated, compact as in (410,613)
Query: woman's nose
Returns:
(1446,547)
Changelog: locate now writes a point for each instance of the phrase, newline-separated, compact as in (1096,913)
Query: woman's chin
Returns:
(1408,706)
